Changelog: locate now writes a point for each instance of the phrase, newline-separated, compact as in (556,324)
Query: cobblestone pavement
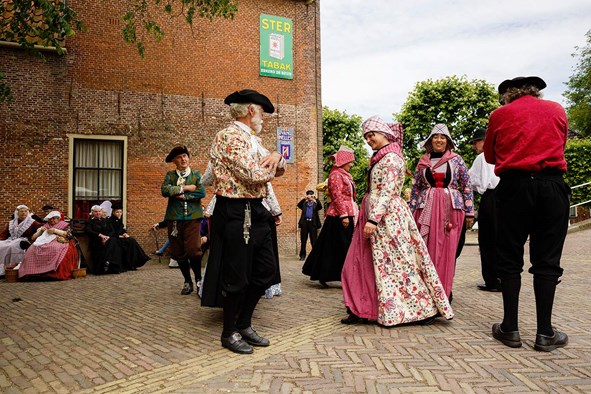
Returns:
(135,333)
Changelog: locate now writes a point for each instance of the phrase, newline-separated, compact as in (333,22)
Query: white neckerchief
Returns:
(182,176)
(255,141)
(17,229)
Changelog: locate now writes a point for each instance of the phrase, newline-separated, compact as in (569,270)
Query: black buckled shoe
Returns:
(545,343)
(236,344)
(511,338)
(187,288)
(251,336)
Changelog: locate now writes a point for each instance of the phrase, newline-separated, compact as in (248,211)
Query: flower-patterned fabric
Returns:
(407,284)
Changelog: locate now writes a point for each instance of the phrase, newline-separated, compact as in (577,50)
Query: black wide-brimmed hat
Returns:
(251,96)
(479,134)
(521,81)
(177,150)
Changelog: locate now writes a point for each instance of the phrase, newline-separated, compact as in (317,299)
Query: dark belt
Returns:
(545,173)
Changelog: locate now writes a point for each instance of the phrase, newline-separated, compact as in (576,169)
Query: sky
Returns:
(375,51)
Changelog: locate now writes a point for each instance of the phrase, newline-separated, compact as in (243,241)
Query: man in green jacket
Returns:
(184,213)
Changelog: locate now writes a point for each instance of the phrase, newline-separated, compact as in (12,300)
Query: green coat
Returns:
(189,208)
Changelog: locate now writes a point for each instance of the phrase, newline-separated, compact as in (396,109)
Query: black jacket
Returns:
(315,218)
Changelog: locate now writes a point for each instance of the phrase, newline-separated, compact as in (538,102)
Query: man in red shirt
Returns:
(525,141)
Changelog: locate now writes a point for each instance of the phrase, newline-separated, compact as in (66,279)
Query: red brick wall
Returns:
(174,95)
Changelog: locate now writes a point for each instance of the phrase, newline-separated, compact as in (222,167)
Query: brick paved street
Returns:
(134,333)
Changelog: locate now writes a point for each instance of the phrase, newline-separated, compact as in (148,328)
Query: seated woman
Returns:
(106,251)
(52,254)
(133,254)
(19,230)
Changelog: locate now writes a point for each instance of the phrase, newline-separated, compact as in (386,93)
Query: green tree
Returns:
(578,156)
(339,128)
(47,23)
(460,104)
(578,92)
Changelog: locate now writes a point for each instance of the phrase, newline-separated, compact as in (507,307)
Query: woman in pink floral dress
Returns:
(388,275)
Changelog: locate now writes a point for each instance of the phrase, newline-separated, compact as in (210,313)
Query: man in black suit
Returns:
(309,221)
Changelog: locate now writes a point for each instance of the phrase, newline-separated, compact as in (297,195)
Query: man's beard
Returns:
(257,124)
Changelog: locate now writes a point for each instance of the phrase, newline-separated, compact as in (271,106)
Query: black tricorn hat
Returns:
(177,150)
(521,81)
(479,134)
(251,96)
(116,205)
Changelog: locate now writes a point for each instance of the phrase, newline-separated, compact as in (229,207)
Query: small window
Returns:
(98,174)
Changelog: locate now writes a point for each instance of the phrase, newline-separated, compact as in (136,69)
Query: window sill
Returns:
(8,44)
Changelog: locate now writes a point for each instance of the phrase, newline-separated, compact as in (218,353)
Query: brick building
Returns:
(103,115)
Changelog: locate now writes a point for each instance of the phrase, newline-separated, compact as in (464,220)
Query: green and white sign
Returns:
(276,47)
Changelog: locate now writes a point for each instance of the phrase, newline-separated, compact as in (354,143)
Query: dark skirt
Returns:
(325,261)
(133,254)
(107,258)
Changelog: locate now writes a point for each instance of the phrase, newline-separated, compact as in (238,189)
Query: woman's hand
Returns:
(277,220)
(469,222)
(369,229)
(345,222)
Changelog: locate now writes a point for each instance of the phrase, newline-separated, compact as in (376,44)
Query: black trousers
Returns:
(307,230)
(487,237)
(534,205)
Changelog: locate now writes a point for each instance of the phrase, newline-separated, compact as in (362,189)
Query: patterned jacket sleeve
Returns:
(465,187)
(418,185)
(384,183)
(235,154)
(340,195)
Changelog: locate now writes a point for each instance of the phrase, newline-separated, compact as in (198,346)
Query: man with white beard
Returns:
(241,260)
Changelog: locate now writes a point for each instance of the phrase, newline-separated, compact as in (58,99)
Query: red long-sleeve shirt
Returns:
(528,134)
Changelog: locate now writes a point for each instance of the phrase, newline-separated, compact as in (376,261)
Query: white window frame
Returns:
(72,138)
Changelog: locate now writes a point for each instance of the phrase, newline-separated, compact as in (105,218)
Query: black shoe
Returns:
(187,288)
(236,344)
(353,319)
(511,338)
(302,258)
(427,322)
(545,343)
(252,338)
(323,283)
(489,288)
(158,253)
